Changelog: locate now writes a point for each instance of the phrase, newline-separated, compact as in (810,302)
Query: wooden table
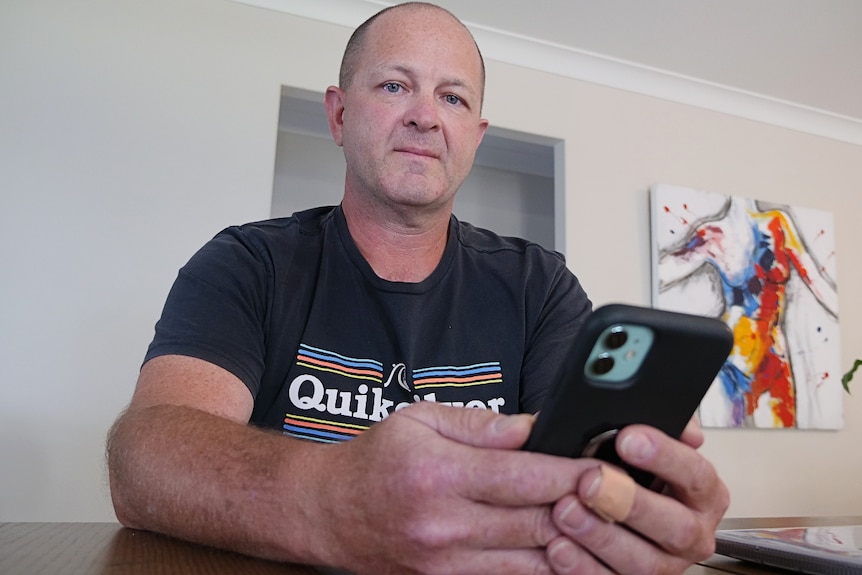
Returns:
(109,549)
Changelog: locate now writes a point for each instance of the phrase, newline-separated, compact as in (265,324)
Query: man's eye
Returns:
(452,99)
(392,87)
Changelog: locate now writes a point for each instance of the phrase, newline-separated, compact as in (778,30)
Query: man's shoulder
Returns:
(308,222)
(269,241)
(280,233)
(485,241)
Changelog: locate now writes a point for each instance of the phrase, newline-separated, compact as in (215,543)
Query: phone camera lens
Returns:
(603,364)
(617,338)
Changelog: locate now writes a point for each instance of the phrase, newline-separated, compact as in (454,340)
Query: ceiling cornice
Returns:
(578,64)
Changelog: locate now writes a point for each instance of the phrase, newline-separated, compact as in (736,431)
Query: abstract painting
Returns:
(769,271)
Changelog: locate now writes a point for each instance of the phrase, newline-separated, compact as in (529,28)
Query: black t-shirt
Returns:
(327,348)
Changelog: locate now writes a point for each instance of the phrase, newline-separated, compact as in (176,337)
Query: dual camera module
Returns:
(618,353)
(613,340)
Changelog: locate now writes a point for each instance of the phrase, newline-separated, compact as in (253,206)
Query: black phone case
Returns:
(686,354)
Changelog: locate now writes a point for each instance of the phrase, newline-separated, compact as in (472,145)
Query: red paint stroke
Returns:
(679,218)
(773,376)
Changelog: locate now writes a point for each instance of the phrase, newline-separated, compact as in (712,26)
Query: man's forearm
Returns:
(431,488)
(200,477)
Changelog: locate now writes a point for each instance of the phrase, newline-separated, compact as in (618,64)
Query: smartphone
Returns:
(629,364)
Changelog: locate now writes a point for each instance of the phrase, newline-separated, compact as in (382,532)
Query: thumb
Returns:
(475,427)
(692,435)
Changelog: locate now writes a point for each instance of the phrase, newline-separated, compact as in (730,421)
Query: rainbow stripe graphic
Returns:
(320,430)
(330,362)
(457,376)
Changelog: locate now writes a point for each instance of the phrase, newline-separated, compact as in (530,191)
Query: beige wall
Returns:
(617,145)
(131,132)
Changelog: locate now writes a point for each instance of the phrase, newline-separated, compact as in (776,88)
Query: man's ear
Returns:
(483,127)
(334,101)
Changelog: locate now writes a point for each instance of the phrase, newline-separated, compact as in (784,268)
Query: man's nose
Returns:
(423,112)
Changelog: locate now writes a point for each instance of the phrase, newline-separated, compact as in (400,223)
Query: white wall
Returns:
(309,171)
(131,132)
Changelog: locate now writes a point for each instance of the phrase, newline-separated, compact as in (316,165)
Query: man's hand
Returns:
(431,489)
(664,532)
(436,489)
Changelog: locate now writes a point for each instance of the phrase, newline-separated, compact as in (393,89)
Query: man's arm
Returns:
(183,461)
(431,488)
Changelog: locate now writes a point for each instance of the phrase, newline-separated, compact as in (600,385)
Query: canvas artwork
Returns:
(769,271)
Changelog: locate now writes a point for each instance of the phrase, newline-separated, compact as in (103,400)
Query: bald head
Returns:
(357,42)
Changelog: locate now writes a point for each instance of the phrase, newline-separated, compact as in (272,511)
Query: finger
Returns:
(476,427)
(502,475)
(693,434)
(677,529)
(683,524)
(692,479)
(520,478)
(611,494)
(611,544)
(510,562)
(565,556)
(482,526)
(670,525)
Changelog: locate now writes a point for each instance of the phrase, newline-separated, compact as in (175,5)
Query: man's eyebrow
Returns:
(453,81)
(383,69)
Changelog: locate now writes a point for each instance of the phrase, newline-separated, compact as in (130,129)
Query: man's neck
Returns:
(399,246)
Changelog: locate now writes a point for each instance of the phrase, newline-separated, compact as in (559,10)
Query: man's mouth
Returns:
(418,151)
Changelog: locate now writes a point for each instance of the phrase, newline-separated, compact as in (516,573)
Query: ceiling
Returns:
(808,52)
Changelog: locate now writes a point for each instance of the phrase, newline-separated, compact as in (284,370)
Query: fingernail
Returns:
(594,487)
(504,423)
(575,518)
(637,446)
(563,554)
(567,510)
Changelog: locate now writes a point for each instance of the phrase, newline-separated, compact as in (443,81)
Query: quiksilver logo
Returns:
(307,392)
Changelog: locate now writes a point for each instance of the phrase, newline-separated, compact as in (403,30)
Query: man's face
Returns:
(409,121)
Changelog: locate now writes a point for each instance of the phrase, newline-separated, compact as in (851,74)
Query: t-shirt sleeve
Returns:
(216,309)
(562,307)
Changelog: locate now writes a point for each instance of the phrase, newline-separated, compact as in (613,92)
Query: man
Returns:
(294,325)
